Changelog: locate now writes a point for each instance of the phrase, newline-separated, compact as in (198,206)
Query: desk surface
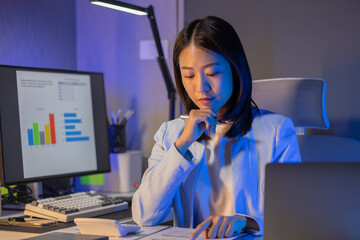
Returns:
(14,233)
(17,233)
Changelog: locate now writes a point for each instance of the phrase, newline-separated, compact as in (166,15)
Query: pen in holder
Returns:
(117,138)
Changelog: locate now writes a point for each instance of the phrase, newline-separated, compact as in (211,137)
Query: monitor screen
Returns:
(52,123)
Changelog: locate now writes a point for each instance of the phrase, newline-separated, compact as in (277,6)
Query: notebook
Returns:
(312,201)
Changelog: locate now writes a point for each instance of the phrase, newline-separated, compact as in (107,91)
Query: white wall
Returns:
(300,38)
(108,41)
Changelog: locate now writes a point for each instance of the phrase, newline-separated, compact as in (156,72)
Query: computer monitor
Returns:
(52,124)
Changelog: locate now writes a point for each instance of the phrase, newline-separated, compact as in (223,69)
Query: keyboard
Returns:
(67,207)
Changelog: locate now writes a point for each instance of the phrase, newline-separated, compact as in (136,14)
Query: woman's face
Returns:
(207,78)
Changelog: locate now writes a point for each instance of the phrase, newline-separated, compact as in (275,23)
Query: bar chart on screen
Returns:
(56,122)
(73,130)
(42,135)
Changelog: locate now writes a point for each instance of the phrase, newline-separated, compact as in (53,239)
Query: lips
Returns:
(205,100)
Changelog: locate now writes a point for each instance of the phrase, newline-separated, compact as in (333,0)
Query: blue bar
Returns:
(77,139)
(69,127)
(72,120)
(30,137)
(69,114)
(73,133)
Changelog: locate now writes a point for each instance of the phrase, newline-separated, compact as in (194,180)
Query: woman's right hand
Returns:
(199,121)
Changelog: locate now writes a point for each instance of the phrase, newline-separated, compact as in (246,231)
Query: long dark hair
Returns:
(219,36)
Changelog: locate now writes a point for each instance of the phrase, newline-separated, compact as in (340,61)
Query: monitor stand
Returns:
(36,188)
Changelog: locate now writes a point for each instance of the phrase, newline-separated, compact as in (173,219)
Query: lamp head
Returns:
(121,6)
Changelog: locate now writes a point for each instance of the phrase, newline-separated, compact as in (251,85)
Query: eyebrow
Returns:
(207,65)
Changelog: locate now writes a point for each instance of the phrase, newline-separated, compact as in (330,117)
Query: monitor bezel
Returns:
(104,140)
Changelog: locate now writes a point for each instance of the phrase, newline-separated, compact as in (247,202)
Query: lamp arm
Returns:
(162,63)
(118,5)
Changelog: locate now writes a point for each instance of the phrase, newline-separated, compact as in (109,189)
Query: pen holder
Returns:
(117,138)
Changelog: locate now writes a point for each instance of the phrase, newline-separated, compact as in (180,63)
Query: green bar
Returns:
(36,134)
(95,179)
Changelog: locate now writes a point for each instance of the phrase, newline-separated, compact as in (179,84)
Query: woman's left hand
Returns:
(220,227)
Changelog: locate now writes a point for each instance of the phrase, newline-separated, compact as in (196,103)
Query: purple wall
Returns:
(38,33)
(77,35)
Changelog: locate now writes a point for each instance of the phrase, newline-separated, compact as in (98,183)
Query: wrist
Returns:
(182,147)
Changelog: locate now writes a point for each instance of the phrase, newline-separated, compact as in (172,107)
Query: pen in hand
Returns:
(217,120)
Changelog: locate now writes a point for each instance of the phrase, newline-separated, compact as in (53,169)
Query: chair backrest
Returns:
(301,99)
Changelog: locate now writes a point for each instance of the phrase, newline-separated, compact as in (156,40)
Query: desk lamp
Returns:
(149,11)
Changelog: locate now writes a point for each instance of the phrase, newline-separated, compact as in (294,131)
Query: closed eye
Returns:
(211,74)
(188,76)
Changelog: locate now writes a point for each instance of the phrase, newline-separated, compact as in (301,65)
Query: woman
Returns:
(210,166)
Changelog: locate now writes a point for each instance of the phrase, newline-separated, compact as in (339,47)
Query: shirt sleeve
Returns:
(152,202)
(286,144)
(259,220)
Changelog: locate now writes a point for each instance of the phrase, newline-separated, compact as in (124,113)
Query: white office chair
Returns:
(304,101)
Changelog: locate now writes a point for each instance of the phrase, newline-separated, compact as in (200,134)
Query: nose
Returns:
(202,84)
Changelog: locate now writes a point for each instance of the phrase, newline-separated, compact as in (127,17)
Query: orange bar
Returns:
(52,128)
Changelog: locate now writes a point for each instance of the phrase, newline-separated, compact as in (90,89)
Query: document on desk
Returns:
(144,232)
(158,233)
(176,233)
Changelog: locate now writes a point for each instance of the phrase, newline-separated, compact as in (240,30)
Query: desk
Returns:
(12,233)
(69,227)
